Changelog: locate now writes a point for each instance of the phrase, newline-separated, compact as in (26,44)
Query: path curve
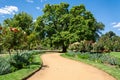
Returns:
(59,68)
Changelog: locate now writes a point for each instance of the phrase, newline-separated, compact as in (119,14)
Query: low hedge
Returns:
(96,57)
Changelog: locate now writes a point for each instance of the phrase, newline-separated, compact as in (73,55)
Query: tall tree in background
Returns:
(64,26)
(109,42)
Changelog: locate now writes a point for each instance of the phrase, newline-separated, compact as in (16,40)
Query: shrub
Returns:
(113,61)
(82,46)
(4,66)
(75,46)
(21,60)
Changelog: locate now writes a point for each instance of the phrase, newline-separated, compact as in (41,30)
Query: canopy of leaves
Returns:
(64,26)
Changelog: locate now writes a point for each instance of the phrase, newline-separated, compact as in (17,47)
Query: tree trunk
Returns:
(9,52)
(64,48)
(51,43)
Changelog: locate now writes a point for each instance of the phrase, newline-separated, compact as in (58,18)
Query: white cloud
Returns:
(34,20)
(3,16)
(38,8)
(30,1)
(113,23)
(117,25)
(42,0)
(8,10)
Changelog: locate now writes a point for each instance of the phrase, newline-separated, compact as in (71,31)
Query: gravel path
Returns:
(59,68)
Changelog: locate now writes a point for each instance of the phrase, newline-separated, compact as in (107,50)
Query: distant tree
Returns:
(108,42)
(116,43)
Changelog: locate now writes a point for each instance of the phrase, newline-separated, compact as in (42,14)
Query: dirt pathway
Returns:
(59,68)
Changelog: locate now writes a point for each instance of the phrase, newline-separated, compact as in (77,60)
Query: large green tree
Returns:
(64,26)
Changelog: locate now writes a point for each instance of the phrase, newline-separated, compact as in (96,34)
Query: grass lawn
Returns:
(116,54)
(22,73)
(115,72)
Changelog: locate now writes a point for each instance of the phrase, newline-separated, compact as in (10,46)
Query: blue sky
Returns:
(105,11)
